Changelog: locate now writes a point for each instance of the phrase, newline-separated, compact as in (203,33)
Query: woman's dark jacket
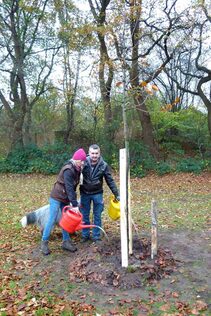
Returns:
(93,178)
(64,189)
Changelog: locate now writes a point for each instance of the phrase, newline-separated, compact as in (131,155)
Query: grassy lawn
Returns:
(184,203)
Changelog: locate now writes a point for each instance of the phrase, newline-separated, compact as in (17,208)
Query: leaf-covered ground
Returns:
(91,281)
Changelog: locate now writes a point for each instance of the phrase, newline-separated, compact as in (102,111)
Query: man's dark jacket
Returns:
(93,178)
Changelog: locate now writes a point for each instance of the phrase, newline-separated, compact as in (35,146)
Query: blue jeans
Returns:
(85,207)
(54,209)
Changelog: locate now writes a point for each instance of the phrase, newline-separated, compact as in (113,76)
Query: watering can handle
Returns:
(75,209)
(66,208)
(113,198)
(70,208)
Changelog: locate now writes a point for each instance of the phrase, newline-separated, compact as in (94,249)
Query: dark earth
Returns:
(102,265)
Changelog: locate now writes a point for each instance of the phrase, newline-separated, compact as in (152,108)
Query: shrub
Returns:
(187,126)
(42,166)
(18,160)
(190,165)
(207,164)
(173,148)
(163,168)
(140,158)
(138,171)
(31,159)
(3,166)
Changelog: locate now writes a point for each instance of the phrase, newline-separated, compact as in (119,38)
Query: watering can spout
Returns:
(82,226)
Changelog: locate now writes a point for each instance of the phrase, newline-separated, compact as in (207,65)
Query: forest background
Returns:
(118,73)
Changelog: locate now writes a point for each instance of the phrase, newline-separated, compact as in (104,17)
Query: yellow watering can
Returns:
(114,208)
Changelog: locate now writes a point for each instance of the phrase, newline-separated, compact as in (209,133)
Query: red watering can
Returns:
(72,220)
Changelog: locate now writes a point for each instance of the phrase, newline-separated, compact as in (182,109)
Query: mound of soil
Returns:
(101,263)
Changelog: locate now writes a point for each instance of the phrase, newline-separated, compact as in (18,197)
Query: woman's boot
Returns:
(44,247)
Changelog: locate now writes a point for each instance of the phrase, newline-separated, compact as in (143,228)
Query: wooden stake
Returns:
(154,243)
(130,231)
(123,207)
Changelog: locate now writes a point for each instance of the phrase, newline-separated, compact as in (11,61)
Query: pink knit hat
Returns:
(79,155)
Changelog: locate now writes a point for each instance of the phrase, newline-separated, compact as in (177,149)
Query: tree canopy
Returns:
(115,63)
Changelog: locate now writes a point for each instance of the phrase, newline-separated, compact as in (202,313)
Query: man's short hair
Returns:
(94,146)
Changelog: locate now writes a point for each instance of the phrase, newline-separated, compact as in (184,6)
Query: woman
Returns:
(62,194)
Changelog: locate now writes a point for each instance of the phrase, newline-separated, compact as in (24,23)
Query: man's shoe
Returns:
(68,245)
(97,241)
(44,247)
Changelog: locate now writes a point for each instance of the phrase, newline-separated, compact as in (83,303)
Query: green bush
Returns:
(207,164)
(190,165)
(139,153)
(140,159)
(3,166)
(31,159)
(138,171)
(173,148)
(50,159)
(42,166)
(18,160)
(163,168)
(187,126)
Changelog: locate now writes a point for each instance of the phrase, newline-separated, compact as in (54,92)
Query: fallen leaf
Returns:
(201,305)
(175,294)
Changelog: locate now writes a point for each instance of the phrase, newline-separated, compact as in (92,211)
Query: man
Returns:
(91,190)
(62,194)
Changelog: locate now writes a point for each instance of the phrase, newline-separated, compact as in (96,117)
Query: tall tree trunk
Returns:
(17,134)
(209,119)
(147,128)
(204,98)
(27,137)
(105,86)
(139,97)
(17,120)
(106,69)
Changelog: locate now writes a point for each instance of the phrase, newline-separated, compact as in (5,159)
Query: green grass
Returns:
(43,312)
(177,210)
